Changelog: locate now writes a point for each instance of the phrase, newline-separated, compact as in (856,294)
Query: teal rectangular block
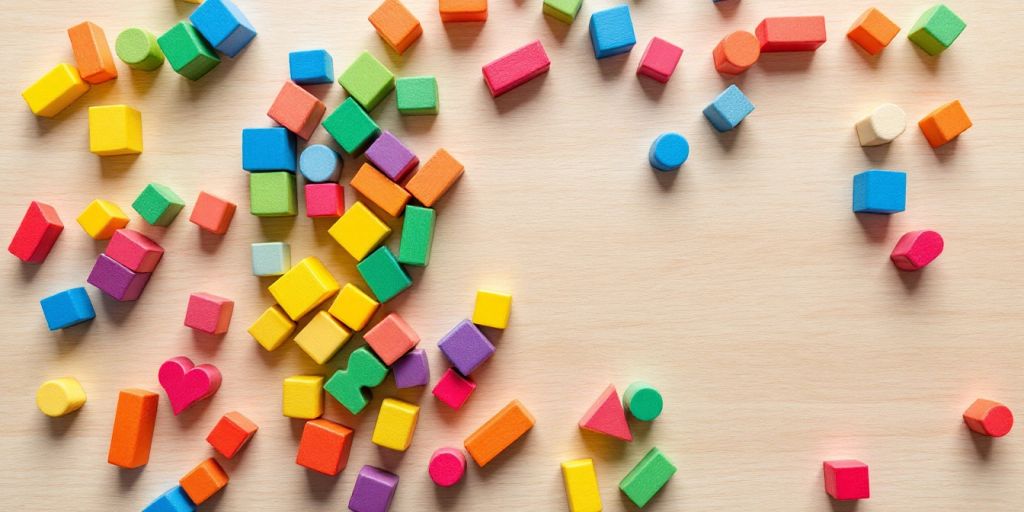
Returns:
(271,258)
(417,236)
(647,478)
(158,205)
(189,54)
(383,274)
(936,29)
(351,127)
(417,95)
(272,194)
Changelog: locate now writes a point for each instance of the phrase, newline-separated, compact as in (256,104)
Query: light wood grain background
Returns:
(742,286)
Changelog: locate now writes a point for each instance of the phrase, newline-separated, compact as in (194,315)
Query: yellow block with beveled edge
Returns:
(396,422)
(304,287)
(115,130)
(61,396)
(272,328)
(322,337)
(359,231)
(353,307)
(492,309)
(581,487)
(57,89)
(303,397)
(102,218)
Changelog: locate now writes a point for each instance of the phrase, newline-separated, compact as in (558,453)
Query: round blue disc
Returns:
(320,164)
(669,152)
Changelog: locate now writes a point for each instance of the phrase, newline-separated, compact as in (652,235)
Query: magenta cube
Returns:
(453,389)
(391,157)
(117,280)
(847,479)
(209,313)
(411,370)
(325,200)
(373,490)
(134,250)
(659,60)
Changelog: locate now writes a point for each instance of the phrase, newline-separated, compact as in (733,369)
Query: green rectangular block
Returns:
(351,127)
(367,80)
(562,10)
(158,205)
(272,194)
(647,477)
(936,29)
(416,95)
(383,274)
(417,236)
(189,54)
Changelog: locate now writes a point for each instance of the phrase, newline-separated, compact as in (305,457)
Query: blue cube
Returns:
(729,109)
(67,308)
(611,31)
(271,258)
(268,149)
(877,191)
(311,67)
(223,25)
(174,500)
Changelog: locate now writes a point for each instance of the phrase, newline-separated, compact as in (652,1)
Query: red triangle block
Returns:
(607,417)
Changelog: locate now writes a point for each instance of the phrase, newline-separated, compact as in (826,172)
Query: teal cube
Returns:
(417,95)
(158,205)
(383,274)
(189,54)
(271,258)
(367,80)
(417,236)
(936,29)
(351,127)
(272,194)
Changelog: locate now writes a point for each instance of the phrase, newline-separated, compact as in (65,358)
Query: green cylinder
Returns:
(138,48)
(643,401)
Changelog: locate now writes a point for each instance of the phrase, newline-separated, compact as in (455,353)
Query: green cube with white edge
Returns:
(272,194)
(385,277)
(562,10)
(417,95)
(417,236)
(936,29)
(367,80)
(158,205)
(271,258)
(647,478)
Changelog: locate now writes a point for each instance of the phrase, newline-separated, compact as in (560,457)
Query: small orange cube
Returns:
(324,446)
(212,213)
(873,31)
(434,178)
(297,110)
(396,25)
(380,190)
(231,433)
(462,10)
(204,481)
(945,123)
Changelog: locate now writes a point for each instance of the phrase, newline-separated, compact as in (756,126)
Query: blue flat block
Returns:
(174,500)
(728,109)
(877,191)
(669,152)
(67,308)
(223,25)
(268,149)
(320,164)
(311,67)
(611,31)
(271,258)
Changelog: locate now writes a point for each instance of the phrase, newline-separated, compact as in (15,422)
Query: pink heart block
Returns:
(186,383)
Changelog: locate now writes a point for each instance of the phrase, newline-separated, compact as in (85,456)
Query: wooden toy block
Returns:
(359,231)
(268,149)
(115,130)
(67,308)
(466,347)
(916,249)
(322,337)
(380,190)
(132,435)
(60,397)
(353,307)
(669,152)
(736,52)
(39,229)
(647,477)
(643,401)
(611,31)
(417,95)
(729,109)
(187,52)
(417,236)
(350,387)
(411,370)
(878,191)
(158,205)
(989,418)
(92,53)
(212,213)
(272,328)
(434,178)
(391,338)
(873,31)
(271,258)
(320,164)
(563,10)
(311,67)
(945,123)
(493,437)
(209,313)
(302,397)
(936,29)
(101,219)
(55,91)
(373,491)
(447,466)
(186,383)
(882,125)
(492,309)
(117,280)
(297,110)
(846,479)
(659,60)
(607,417)
(134,250)
(272,194)
(396,424)
(206,479)
(223,25)
(791,34)
(396,25)
(304,287)
(324,447)
(231,433)
(581,487)
(351,127)
(174,500)
(367,81)
(139,49)
(389,155)
(516,68)
(453,389)
(454,11)
(383,274)
(324,200)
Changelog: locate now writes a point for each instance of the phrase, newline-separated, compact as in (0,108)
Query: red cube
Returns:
(231,433)
(453,389)
(391,338)
(325,200)
(212,213)
(37,233)
(659,60)
(846,479)
(209,313)
(297,110)
(324,446)
(134,250)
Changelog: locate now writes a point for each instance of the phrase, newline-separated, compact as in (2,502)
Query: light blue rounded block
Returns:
(611,31)
(729,109)
(67,308)
(271,258)
(320,164)
(224,25)
(311,67)
(174,500)
(669,151)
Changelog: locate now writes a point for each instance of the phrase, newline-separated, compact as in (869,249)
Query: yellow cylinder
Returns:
(61,396)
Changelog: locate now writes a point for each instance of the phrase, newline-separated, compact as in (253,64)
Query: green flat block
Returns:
(272,194)
(562,10)
(382,273)
(417,236)
(647,477)
(189,54)
(138,48)
(367,80)
(349,386)
(158,205)
(936,29)
(417,95)
(351,127)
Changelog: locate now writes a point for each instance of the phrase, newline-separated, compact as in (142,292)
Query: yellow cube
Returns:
(322,337)
(353,307)
(304,287)
(303,397)
(55,91)
(272,328)
(581,485)
(359,231)
(396,423)
(492,309)
(115,130)
(101,218)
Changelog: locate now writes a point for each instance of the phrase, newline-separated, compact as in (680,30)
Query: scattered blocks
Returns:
(373,491)
(302,396)
(383,274)
(396,423)
(643,401)
(417,95)
(434,178)
(516,68)
(846,479)
(324,447)
(916,249)
(359,231)
(272,194)
(945,123)
(989,418)
(396,25)
(311,67)
(322,337)
(936,29)
(320,164)
(187,52)
(647,477)
(380,190)
(206,479)
(466,347)
(298,111)
(158,205)
(367,81)
(36,234)
(324,200)
(729,109)
(212,213)
(139,49)
(453,389)
(411,370)
(304,287)
(101,219)
(417,236)
(492,309)
(272,328)
(493,437)
(132,435)
(134,250)
(611,31)
(92,53)
(364,370)
(67,308)
(873,31)
(882,125)
(115,130)
(223,25)
(659,60)
(736,52)
(388,154)
(791,34)
(60,397)
(55,91)
(669,152)
(563,10)
(607,417)
(268,149)
(117,280)
(447,466)
(878,191)
(209,313)
(231,433)
(581,487)
(174,500)
(271,258)
(351,127)
(462,10)
(186,383)
(353,307)
(391,338)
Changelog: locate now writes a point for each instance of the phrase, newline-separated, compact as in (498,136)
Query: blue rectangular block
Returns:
(311,67)
(174,500)
(223,25)
(268,149)
(271,258)
(67,308)
(877,191)
(611,31)
(728,109)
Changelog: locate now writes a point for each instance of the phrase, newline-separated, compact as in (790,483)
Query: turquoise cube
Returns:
(878,191)
(383,274)
(417,95)
(936,29)
(311,67)
(271,258)
(729,109)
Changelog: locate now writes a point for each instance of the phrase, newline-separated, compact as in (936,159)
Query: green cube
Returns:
(647,477)
(417,95)
(936,29)
(158,205)
(417,236)
(367,80)
(189,54)
(383,274)
(272,194)
(351,126)
(562,10)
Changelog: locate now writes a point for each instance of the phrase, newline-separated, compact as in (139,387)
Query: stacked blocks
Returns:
(302,397)
(936,29)
(462,10)
(434,178)
(115,130)
(351,127)
(101,219)
(187,52)
(367,81)
(324,200)
(453,389)
(174,500)
(563,10)
(223,25)
(322,337)
(353,307)
(304,287)
(659,60)
(669,152)
(67,308)
(38,231)
(607,416)
(989,418)
(396,25)
(729,109)
(417,236)
(92,53)
(319,164)
(231,433)
(158,205)
(271,258)
(791,34)
(391,338)
(516,68)
(117,280)
(447,466)
(380,190)
(324,447)
(945,123)
(643,401)
(383,274)
(268,149)
(209,313)
(492,309)
(364,370)
(877,191)
(736,52)
(389,155)
(846,479)
(359,231)
(647,477)
(882,125)
(134,250)
(212,213)
(498,433)
(916,249)
(272,328)
(581,487)
(311,67)
(417,95)
(298,111)
(139,49)
(55,91)
(373,491)
(60,397)
(466,347)
(611,31)
(873,31)
(411,370)
(206,479)
(187,383)
(272,194)
(396,424)
(132,435)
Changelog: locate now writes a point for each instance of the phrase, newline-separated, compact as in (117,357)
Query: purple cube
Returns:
(412,370)
(466,347)
(391,157)
(373,491)
(117,280)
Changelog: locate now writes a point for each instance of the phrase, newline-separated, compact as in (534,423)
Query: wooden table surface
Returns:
(742,286)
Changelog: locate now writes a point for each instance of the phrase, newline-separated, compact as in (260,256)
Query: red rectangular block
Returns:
(791,34)
(516,68)
(37,233)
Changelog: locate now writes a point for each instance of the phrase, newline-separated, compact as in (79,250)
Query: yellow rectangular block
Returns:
(359,231)
(322,337)
(57,89)
(304,287)
(101,219)
(581,485)
(115,130)
(492,309)
(396,424)
(303,397)
(353,307)
(272,328)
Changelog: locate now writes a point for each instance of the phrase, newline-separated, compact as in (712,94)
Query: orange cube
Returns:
(463,10)
(212,213)
(435,178)
(945,123)
(92,53)
(231,433)
(297,110)
(324,446)
(380,190)
(204,481)
(396,25)
(499,433)
(873,31)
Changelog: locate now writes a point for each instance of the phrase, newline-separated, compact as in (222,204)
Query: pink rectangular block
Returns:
(391,338)
(37,233)
(516,68)
(134,250)
(325,200)
(453,389)
(660,60)
(209,313)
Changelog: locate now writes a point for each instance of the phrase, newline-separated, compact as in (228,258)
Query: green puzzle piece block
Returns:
(351,126)
(647,477)
(417,236)
(936,29)
(416,95)
(158,205)
(562,10)
(189,54)
(364,371)
(272,194)
(367,80)
(383,274)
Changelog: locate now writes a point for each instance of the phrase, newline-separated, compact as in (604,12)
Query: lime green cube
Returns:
(562,10)
(417,236)
(382,273)
(417,95)
(189,54)
(158,205)
(272,194)
(351,127)
(367,80)
(936,29)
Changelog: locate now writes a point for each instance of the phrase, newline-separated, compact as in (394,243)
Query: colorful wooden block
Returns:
(383,274)
(453,11)
(212,213)
(60,397)
(873,31)
(411,370)
(396,25)
(466,347)
(206,479)
(516,68)
(231,433)
(268,149)
(736,52)
(391,338)
(272,328)
(882,125)
(223,25)
(209,313)
(320,164)
(380,190)
(945,123)
(607,417)
(115,130)
(187,383)
(101,219)
(417,95)
(92,53)
(916,249)
(350,387)
(134,250)
(434,178)
(492,309)
(158,205)
(324,447)
(359,231)
(39,229)
(351,127)
(417,236)
(117,280)
(174,500)
(324,200)
(302,396)
(139,49)
(878,191)
(936,29)
(498,433)
(55,91)
(132,435)
(271,258)
(647,477)
(729,109)
(389,155)
(989,418)
(562,10)
(272,194)
(353,307)
(373,491)
(669,152)
(791,34)
(396,424)
(611,31)
(367,81)
(453,389)
(581,489)
(322,337)
(187,52)
(643,401)
(297,110)
(846,479)
(447,466)
(659,60)
(67,308)
(304,287)
(307,67)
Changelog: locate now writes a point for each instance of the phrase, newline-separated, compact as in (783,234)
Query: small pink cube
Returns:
(659,60)
(325,200)
(209,313)
(134,250)
(846,479)
(453,389)
(391,338)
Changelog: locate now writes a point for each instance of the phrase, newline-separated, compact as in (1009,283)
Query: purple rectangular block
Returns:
(391,157)
(117,280)
(466,347)
(373,491)
(412,370)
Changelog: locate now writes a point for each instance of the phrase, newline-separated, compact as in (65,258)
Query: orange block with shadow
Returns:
(132,436)
(945,123)
(205,480)
(92,53)
(396,25)
(499,433)
(380,190)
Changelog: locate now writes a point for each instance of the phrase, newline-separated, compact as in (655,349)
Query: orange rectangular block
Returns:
(92,53)
(435,178)
(132,435)
(380,190)
(462,10)
(873,31)
(945,123)
(396,25)
(204,481)
(499,433)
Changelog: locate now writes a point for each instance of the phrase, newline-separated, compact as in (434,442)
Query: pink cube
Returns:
(659,60)
(325,200)
(846,479)
(134,250)
(453,389)
(209,313)
(391,338)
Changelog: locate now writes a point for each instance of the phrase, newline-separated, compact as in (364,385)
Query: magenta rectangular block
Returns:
(134,250)
(506,73)
(391,157)
(466,347)
(373,491)
(117,280)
